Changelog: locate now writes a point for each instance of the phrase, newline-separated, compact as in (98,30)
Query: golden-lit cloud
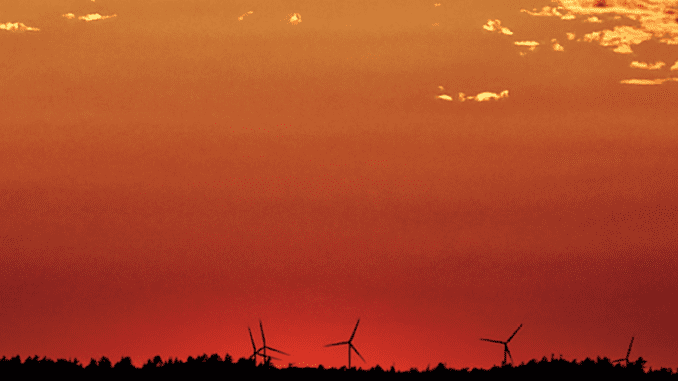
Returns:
(483,97)
(550,11)
(294,18)
(621,37)
(69,16)
(656,19)
(675,66)
(95,17)
(647,66)
(532,45)
(594,19)
(495,26)
(436,4)
(648,81)
(17,27)
(556,46)
(245,14)
(570,36)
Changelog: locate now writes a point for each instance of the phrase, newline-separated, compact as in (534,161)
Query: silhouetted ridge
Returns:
(213,367)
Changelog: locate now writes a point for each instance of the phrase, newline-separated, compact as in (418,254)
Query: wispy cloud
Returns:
(17,27)
(594,19)
(550,11)
(95,17)
(495,26)
(648,81)
(245,14)
(483,97)
(69,16)
(675,66)
(530,44)
(647,66)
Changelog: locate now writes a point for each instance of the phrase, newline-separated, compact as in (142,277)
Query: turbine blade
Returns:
(275,350)
(514,333)
(356,352)
(509,353)
(629,351)
(335,344)
(494,341)
(254,347)
(261,326)
(354,329)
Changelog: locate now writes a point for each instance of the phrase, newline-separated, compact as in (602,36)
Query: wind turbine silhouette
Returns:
(626,359)
(265,347)
(257,352)
(350,345)
(506,350)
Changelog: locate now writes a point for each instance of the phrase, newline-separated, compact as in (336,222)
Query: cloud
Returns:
(556,46)
(95,17)
(550,11)
(245,14)
(594,19)
(483,97)
(645,65)
(656,19)
(675,66)
(531,44)
(570,36)
(648,81)
(294,18)
(495,26)
(17,27)
(69,16)
(622,37)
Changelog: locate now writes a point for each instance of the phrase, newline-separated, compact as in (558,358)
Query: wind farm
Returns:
(174,173)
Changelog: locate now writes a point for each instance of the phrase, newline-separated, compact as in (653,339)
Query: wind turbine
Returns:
(257,352)
(506,350)
(626,359)
(265,347)
(350,345)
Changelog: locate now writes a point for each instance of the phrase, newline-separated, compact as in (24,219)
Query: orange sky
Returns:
(171,172)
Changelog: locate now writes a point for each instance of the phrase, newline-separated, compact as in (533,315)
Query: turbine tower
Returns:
(626,359)
(349,343)
(265,347)
(506,350)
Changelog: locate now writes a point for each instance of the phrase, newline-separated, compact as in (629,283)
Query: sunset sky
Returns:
(173,171)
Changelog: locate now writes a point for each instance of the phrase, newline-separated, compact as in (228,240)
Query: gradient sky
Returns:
(173,171)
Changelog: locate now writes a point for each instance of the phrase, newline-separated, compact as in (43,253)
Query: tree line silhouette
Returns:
(214,366)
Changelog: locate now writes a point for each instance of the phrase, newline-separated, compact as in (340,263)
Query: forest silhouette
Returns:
(214,366)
